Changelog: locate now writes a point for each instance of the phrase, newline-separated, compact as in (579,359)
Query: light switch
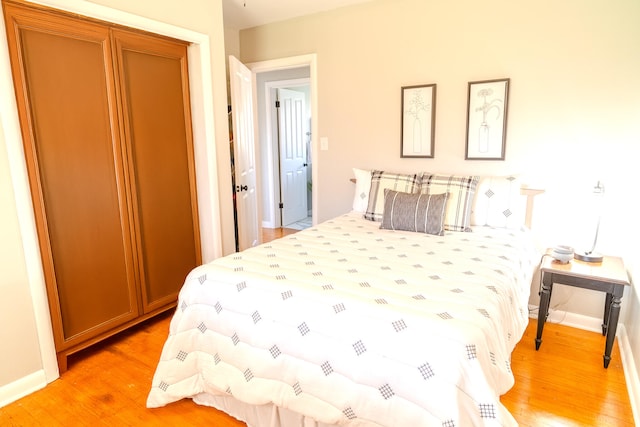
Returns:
(324,143)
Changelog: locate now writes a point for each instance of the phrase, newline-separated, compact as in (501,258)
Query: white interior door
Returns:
(292,131)
(244,154)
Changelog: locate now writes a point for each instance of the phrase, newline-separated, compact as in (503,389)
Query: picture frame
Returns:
(487,106)
(418,117)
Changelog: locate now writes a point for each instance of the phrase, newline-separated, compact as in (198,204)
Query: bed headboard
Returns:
(530,193)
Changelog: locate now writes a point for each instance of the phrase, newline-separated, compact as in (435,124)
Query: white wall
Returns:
(631,303)
(574,110)
(21,350)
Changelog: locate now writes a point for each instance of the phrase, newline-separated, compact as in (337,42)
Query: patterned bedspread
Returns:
(353,325)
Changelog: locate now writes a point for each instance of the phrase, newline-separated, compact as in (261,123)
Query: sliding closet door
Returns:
(154,88)
(70,130)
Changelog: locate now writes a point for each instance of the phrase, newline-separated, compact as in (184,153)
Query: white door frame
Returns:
(310,61)
(200,82)
(270,187)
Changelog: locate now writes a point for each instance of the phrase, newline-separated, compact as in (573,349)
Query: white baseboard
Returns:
(594,324)
(566,318)
(20,388)
(630,372)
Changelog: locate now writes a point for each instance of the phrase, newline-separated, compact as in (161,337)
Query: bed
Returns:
(351,324)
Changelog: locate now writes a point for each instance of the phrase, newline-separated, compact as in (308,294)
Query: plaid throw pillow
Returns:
(461,190)
(380,180)
(422,213)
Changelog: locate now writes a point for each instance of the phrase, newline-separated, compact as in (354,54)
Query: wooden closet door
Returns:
(153,79)
(64,84)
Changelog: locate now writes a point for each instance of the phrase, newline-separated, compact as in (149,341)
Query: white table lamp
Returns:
(590,255)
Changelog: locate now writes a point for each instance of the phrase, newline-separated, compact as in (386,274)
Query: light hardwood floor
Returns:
(562,384)
(269,234)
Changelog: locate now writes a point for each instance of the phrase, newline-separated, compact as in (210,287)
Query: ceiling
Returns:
(241,14)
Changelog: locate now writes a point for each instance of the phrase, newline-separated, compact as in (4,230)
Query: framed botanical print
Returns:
(487,103)
(418,116)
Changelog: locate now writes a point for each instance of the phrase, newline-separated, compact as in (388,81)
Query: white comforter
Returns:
(353,325)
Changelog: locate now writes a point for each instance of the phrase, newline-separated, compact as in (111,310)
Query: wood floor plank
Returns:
(565,383)
(269,234)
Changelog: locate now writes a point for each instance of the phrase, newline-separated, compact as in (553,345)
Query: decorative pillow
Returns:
(363,185)
(498,202)
(380,180)
(461,190)
(423,213)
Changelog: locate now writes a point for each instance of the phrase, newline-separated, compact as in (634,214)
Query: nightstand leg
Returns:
(611,330)
(543,311)
(607,310)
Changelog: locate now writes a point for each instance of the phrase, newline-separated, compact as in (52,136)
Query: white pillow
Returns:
(363,186)
(498,202)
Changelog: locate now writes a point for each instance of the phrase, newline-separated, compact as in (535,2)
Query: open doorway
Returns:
(266,215)
(290,120)
(286,164)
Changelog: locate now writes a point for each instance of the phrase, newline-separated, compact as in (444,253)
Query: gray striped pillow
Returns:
(423,213)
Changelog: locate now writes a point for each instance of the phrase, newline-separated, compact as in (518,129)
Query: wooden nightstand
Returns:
(609,276)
